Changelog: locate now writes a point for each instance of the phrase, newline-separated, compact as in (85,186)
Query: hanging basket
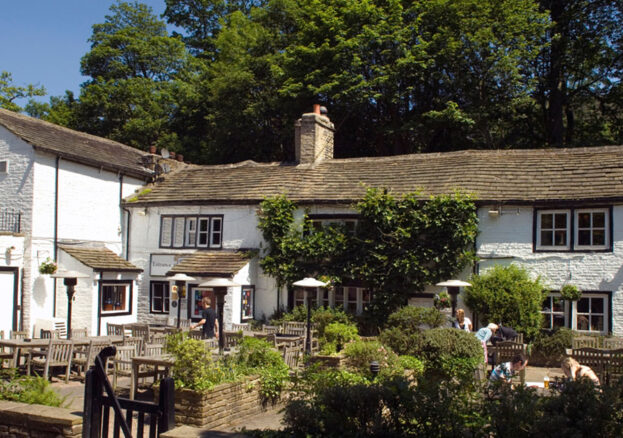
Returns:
(570,292)
(48,267)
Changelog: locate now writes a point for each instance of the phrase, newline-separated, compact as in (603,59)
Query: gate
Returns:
(99,398)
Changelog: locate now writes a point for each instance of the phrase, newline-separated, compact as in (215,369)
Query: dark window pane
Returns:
(559,304)
(216,225)
(599,220)
(561,238)
(203,225)
(547,221)
(547,304)
(583,305)
(597,323)
(599,237)
(582,322)
(561,220)
(216,239)
(559,321)
(547,321)
(546,238)
(597,305)
(584,237)
(584,220)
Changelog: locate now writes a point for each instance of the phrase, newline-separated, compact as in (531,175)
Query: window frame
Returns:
(129,297)
(250,316)
(4,167)
(356,307)
(324,220)
(572,231)
(607,312)
(169,228)
(551,313)
(166,291)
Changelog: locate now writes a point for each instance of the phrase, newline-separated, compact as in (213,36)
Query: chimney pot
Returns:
(316,108)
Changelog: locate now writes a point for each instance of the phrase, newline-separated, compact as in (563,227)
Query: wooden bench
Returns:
(596,358)
(585,342)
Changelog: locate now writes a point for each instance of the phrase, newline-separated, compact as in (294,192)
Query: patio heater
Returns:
(453,287)
(220,286)
(70,279)
(180,280)
(307,283)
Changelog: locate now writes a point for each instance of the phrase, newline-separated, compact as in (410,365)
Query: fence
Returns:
(10,221)
(97,406)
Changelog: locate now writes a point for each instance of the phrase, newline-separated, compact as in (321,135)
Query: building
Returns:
(60,195)
(556,212)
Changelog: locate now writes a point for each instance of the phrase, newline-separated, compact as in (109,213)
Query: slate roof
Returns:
(100,259)
(212,263)
(509,176)
(76,146)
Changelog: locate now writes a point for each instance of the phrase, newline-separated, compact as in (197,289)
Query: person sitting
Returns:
(503,333)
(505,371)
(574,370)
(462,322)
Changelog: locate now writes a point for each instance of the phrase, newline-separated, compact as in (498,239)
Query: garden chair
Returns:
(50,334)
(613,343)
(122,362)
(210,344)
(291,356)
(294,328)
(244,327)
(140,330)
(595,358)
(195,334)
(614,372)
(231,339)
(585,342)
(505,351)
(274,329)
(18,334)
(153,350)
(137,342)
(115,329)
(58,354)
(4,355)
(158,338)
(79,333)
(184,323)
(172,330)
(86,359)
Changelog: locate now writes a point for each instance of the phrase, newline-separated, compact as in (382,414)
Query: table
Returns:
(23,344)
(165,361)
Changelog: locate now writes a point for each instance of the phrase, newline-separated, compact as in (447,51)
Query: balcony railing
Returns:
(10,221)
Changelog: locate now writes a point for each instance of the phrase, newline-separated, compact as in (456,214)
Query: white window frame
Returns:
(606,312)
(179,231)
(214,233)
(539,245)
(606,228)
(127,308)
(550,313)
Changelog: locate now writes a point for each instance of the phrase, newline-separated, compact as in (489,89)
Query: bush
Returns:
(548,348)
(359,354)
(336,336)
(449,353)
(403,326)
(506,294)
(28,389)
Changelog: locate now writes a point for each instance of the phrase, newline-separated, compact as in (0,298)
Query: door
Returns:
(9,277)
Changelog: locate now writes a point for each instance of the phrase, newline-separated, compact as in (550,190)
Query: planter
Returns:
(221,406)
(336,361)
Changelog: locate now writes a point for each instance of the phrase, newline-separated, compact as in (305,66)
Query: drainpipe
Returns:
(56,178)
(127,230)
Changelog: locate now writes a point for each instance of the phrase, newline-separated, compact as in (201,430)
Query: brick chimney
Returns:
(313,137)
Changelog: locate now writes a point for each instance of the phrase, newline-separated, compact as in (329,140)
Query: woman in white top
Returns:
(574,370)
(462,322)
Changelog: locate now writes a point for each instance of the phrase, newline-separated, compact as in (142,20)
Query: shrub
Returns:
(506,294)
(28,389)
(359,354)
(404,324)
(449,353)
(548,348)
(336,336)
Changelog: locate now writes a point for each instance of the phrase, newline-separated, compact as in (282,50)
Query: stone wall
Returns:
(221,406)
(22,420)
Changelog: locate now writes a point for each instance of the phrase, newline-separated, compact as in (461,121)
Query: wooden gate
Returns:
(99,398)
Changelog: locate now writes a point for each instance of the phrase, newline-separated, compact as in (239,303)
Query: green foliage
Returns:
(403,325)
(321,317)
(549,348)
(336,336)
(28,389)
(442,300)
(570,292)
(359,354)
(508,295)
(10,92)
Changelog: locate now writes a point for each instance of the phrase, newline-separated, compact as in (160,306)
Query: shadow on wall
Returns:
(40,291)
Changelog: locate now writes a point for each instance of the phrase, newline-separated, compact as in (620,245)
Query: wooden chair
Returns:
(50,334)
(137,342)
(158,338)
(115,329)
(291,356)
(195,334)
(86,359)
(294,328)
(210,344)
(122,362)
(613,343)
(18,334)
(4,355)
(505,351)
(231,339)
(79,333)
(585,342)
(595,358)
(614,372)
(172,330)
(184,323)
(274,329)
(141,330)
(244,327)
(59,354)
(153,350)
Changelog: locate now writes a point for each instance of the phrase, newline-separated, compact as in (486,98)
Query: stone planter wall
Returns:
(329,361)
(23,420)
(220,406)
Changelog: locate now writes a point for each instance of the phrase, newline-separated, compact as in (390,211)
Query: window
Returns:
(349,222)
(159,297)
(4,166)
(248,302)
(116,297)
(553,229)
(191,231)
(553,312)
(591,312)
(592,229)
(352,299)
(586,229)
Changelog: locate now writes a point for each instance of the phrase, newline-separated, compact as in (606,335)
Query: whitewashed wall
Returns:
(508,239)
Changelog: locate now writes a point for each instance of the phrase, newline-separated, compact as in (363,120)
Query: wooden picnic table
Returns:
(30,344)
(166,361)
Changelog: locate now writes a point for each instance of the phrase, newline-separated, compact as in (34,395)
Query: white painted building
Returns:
(59,187)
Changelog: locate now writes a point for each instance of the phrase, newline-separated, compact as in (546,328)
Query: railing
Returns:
(99,398)
(10,221)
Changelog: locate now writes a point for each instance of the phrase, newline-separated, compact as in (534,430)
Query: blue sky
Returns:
(42,41)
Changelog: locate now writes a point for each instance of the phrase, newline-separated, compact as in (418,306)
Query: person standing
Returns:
(208,320)
(484,334)
(462,322)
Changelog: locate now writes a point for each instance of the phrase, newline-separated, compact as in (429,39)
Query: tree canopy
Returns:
(397,76)
(9,92)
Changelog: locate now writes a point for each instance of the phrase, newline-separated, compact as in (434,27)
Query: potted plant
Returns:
(49,266)
(442,300)
(570,292)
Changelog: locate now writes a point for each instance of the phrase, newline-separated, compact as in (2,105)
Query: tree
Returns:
(508,295)
(10,92)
